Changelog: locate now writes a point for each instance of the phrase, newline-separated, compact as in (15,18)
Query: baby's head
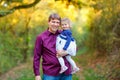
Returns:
(65,23)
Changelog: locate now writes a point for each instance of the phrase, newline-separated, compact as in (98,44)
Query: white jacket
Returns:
(60,43)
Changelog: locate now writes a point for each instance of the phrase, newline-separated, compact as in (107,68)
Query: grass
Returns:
(25,72)
(84,61)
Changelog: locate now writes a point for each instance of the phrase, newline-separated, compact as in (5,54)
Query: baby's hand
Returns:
(58,53)
(61,53)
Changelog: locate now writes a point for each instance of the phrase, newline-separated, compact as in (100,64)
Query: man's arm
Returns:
(37,56)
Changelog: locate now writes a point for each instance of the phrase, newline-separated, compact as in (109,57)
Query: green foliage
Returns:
(25,74)
(96,28)
(9,52)
(90,74)
(75,77)
(16,0)
(102,33)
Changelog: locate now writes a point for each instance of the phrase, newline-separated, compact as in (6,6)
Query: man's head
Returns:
(66,23)
(54,21)
(54,16)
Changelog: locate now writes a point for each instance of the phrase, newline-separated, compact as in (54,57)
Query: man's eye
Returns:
(58,22)
(53,21)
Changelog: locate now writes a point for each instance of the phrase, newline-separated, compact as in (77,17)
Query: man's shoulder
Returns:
(42,34)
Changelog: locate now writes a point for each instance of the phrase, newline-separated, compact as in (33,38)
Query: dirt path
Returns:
(12,72)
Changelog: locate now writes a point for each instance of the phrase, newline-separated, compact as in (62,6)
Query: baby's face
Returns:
(65,26)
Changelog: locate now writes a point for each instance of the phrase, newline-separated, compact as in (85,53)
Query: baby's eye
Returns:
(64,24)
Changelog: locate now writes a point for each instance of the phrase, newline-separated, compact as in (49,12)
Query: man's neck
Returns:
(52,31)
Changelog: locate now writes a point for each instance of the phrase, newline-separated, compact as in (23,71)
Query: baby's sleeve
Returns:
(58,47)
(72,49)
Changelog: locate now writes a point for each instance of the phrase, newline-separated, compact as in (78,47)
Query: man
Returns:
(45,48)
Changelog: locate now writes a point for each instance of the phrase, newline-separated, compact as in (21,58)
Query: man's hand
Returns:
(38,78)
(61,53)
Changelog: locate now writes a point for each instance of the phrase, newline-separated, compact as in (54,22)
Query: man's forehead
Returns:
(55,20)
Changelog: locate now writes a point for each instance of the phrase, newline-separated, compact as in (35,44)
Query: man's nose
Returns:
(56,23)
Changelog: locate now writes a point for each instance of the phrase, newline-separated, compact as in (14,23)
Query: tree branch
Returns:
(4,13)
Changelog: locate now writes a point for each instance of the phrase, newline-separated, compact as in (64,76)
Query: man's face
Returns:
(53,25)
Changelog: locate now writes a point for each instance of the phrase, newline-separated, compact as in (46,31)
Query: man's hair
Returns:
(66,20)
(54,16)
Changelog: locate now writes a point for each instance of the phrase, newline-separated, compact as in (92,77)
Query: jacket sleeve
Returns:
(67,42)
(72,48)
(58,43)
(37,55)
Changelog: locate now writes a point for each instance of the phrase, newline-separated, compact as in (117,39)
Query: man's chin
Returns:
(55,30)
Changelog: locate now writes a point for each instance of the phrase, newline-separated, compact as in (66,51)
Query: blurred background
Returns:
(96,28)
